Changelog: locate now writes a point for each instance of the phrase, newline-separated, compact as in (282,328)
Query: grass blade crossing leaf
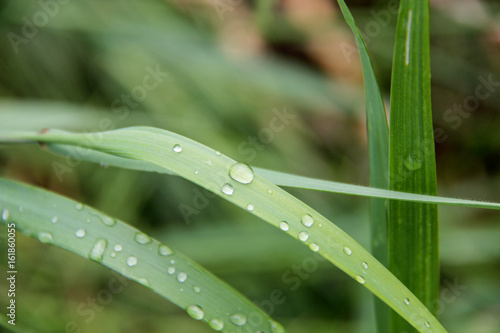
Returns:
(413,228)
(238,184)
(91,234)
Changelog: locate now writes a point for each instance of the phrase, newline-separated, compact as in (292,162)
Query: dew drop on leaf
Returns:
(406,301)
(181,277)
(118,248)
(177,148)
(164,250)
(98,250)
(142,238)
(360,279)
(303,236)
(284,226)
(171,270)
(78,206)
(80,233)
(195,312)
(238,319)
(54,219)
(228,189)
(307,220)
(364,265)
(45,237)
(216,324)
(131,261)
(347,251)
(5,214)
(314,247)
(250,207)
(242,173)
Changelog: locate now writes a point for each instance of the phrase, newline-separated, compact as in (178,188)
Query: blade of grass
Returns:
(238,184)
(91,234)
(378,151)
(413,228)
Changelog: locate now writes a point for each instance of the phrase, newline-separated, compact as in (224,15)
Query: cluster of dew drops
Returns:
(243,174)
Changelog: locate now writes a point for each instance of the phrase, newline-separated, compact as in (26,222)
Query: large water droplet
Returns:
(195,312)
(314,247)
(177,148)
(164,250)
(228,189)
(131,261)
(78,206)
(303,236)
(216,324)
(5,214)
(242,173)
(171,270)
(347,250)
(284,226)
(307,220)
(364,265)
(118,248)
(98,250)
(45,237)
(80,233)
(406,301)
(142,238)
(360,279)
(181,277)
(238,319)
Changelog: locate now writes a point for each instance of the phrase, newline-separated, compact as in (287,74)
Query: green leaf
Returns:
(82,230)
(413,228)
(238,184)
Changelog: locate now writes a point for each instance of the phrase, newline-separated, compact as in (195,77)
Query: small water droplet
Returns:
(5,214)
(364,265)
(314,247)
(45,237)
(250,207)
(276,327)
(360,279)
(177,148)
(181,277)
(427,324)
(113,254)
(172,261)
(217,153)
(238,319)
(171,270)
(196,172)
(347,251)
(142,238)
(78,206)
(406,301)
(118,248)
(270,191)
(307,220)
(303,236)
(54,219)
(131,261)
(181,290)
(144,281)
(196,290)
(284,226)
(20,209)
(242,173)
(413,162)
(98,250)
(80,233)
(103,165)
(164,250)
(195,312)
(216,324)
(228,189)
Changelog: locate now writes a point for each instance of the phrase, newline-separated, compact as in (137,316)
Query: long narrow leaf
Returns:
(238,184)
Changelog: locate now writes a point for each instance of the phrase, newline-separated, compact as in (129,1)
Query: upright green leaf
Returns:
(378,148)
(413,227)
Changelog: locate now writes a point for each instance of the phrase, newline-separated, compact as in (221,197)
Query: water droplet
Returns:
(142,238)
(195,312)
(360,279)
(80,233)
(98,250)
(427,324)
(78,206)
(238,319)
(196,290)
(118,248)
(172,261)
(5,214)
(347,251)
(250,207)
(228,189)
(45,237)
(320,225)
(164,250)
(181,290)
(181,277)
(284,226)
(177,148)
(364,265)
(406,301)
(276,327)
(171,270)
(144,281)
(270,191)
(131,261)
(314,247)
(216,324)
(307,220)
(217,153)
(103,165)
(113,254)
(413,162)
(196,172)
(54,219)
(242,173)
(303,236)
